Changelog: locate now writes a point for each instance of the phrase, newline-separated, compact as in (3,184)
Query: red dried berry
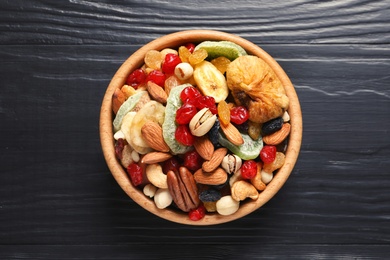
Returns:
(136,173)
(189,94)
(183,135)
(170,62)
(157,77)
(239,115)
(198,213)
(136,78)
(185,113)
(172,164)
(249,169)
(192,160)
(190,46)
(268,153)
(119,146)
(206,101)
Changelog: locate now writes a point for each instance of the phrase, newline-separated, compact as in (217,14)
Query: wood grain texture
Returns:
(132,22)
(57,197)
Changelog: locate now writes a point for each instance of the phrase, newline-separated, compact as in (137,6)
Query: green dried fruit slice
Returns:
(216,49)
(126,107)
(169,126)
(249,150)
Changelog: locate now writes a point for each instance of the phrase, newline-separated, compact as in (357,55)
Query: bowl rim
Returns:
(174,40)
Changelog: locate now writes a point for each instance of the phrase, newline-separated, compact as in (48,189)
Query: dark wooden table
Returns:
(58,199)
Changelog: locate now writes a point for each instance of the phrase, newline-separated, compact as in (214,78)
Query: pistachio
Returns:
(202,122)
(231,163)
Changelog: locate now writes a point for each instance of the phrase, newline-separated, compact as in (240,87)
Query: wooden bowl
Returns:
(174,40)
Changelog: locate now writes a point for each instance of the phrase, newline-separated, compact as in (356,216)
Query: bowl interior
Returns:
(175,40)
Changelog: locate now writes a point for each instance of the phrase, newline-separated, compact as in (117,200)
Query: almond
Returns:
(216,177)
(232,134)
(155,157)
(118,98)
(204,147)
(279,136)
(157,92)
(153,136)
(215,161)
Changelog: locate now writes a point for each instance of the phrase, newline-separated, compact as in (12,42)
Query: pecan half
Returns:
(183,189)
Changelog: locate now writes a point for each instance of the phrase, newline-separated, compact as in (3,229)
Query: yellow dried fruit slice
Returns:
(211,81)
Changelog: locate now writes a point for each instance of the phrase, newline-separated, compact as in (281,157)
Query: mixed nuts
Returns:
(201,128)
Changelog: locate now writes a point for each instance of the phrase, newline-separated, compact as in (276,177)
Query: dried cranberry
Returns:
(198,213)
(172,164)
(170,62)
(157,77)
(183,135)
(206,101)
(119,146)
(189,94)
(185,113)
(190,46)
(239,115)
(249,169)
(192,160)
(136,173)
(136,78)
(268,153)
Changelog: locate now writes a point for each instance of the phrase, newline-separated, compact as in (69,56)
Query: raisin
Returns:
(272,126)
(209,195)
(223,113)
(214,134)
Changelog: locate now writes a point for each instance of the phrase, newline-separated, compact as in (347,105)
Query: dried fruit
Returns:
(209,195)
(136,78)
(254,84)
(183,135)
(170,62)
(157,77)
(185,113)
(223,113)
(239,115)
(192,160)
(198,213)
(221,63)
(136,173)
(211,81)
(153,59)
(197,57)
(249,169)
(272,126)
(268,154)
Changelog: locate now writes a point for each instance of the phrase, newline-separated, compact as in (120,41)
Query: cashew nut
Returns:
(242,190)
(156,176)
(256,181)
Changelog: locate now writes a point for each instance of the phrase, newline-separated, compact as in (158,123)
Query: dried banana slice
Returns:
(211,81)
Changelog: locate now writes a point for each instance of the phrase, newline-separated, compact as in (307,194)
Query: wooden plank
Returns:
(56,189)
(182,251)
(117,22)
